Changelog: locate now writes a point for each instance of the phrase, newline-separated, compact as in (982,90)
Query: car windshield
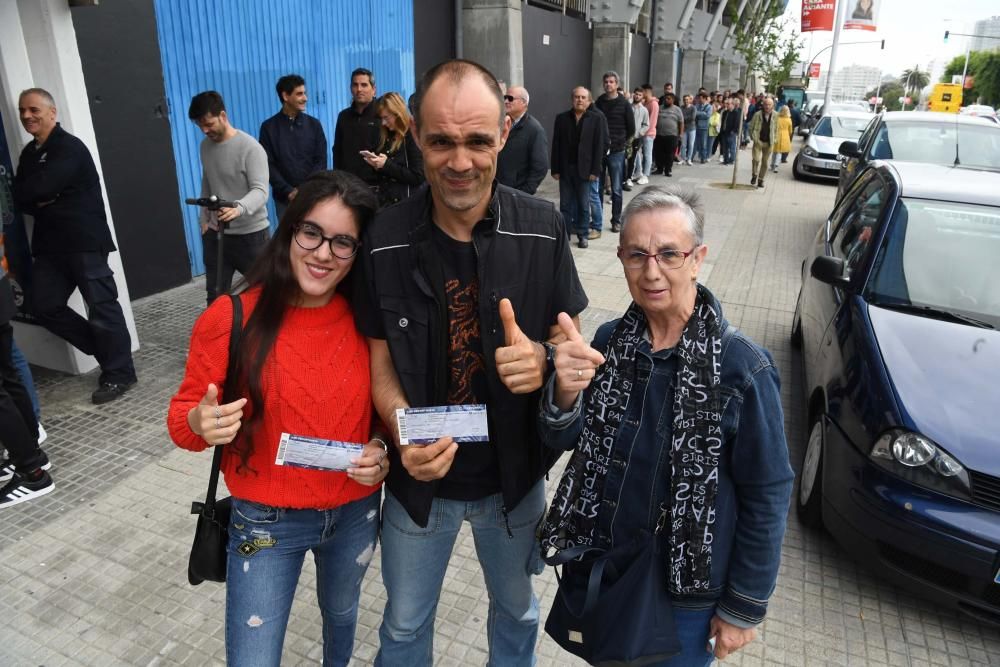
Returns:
(943,256)
(841,127)
(937,143)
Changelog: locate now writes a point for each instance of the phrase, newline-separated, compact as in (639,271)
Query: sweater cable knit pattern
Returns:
(315,383)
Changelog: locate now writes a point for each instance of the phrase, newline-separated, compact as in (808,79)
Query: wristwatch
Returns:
(550,358)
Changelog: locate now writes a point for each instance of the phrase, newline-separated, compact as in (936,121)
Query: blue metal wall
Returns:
(241,47)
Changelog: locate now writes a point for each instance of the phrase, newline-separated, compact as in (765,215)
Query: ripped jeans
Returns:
(267,546)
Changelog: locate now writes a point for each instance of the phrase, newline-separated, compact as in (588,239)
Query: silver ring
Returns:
(218,412)
(579,373)
(218,424)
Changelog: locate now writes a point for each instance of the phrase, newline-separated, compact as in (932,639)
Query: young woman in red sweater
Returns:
(302,370)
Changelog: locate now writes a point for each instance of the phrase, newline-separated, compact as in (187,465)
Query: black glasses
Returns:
(510,98)
(668,259)
(310,237)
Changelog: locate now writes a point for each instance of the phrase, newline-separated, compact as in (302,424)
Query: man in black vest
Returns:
(524,159)
(57,183)
(444,273)
(621,128)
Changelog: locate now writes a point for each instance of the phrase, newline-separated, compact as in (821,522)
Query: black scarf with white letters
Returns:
(695,446)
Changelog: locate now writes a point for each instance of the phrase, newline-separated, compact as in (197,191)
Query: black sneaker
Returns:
(20,489)
(753,180)
(615,227)
(760,186)
(109,391)
(7,468)
(582,242)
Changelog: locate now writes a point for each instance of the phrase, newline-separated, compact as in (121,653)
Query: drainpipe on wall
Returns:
(458,28)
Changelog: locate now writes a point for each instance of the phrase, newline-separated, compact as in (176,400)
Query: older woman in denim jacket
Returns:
(683,424)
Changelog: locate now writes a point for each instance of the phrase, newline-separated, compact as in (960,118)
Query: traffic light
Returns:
(946,36)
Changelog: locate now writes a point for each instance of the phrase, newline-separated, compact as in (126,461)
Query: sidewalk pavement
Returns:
(95,573)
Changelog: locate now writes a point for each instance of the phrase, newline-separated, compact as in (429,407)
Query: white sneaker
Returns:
(643,180)
(629,182)
(42,435)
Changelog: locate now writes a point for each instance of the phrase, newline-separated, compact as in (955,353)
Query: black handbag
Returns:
(614,608)
(211,535)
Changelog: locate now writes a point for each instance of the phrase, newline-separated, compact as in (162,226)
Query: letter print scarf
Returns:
(695,447)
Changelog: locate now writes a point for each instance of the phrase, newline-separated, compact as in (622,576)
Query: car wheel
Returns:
(811,477)
(795,170)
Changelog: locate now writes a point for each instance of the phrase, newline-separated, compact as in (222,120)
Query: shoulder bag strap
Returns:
(228,391)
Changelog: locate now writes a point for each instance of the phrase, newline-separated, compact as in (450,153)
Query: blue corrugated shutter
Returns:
(240,48)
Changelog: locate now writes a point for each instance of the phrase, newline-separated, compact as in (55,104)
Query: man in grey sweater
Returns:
(233,168)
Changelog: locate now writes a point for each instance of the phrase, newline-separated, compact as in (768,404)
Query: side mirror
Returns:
(850,149)
(829,270)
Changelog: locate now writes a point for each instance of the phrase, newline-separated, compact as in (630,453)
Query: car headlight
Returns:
(810,151)
(918,459)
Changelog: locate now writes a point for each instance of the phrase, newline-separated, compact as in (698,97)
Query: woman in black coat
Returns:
(399,163)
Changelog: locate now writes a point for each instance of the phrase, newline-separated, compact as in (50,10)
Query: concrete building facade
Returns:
(985,29)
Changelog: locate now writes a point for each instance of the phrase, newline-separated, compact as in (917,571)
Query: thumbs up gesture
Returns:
(521,362)
(576,364)
(216,424)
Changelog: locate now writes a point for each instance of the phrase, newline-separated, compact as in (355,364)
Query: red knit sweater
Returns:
(315,383)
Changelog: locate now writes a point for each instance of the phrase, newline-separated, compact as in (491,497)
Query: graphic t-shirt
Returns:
(475,472)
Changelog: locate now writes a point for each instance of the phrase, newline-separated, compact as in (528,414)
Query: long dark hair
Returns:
(279,289)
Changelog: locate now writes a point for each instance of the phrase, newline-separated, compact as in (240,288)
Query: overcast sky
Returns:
(913,31)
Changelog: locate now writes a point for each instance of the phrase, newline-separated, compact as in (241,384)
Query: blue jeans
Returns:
(574,202)
(692,630)
(414,561)
(24,370)
(267,546)
(647,155)
(687,144)
(701,143)
(596,206)
(728,147)
(616,171)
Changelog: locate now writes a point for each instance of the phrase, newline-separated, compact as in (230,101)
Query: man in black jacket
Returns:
(57,183)
(729,129)
(443,273)
(621,128)
(579,142)
(524,159)
(358,128)
(293,140)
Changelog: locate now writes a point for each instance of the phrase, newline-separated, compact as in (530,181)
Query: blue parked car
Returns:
(898,321)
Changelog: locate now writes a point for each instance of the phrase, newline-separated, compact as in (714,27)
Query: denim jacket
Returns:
(755,478)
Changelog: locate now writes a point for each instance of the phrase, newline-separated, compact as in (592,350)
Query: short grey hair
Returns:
(41,92)
(527,97)
(613,73)
(660,197)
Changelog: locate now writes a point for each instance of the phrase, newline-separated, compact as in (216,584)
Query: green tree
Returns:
(890,93)
(984,68)
(914,80)
(758,38)
(777,67)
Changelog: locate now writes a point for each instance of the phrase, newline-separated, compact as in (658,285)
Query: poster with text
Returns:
(861,15)
(818,15)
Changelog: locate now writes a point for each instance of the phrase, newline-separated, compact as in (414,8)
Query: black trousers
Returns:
(664,147)
(239,252)
(103,332)
(18,426)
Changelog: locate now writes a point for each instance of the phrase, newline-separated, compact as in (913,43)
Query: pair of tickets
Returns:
(417,426)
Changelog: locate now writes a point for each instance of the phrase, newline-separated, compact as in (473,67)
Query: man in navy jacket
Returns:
(293,140)
(579,142)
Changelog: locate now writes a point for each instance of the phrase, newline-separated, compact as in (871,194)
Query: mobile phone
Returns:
(367,154)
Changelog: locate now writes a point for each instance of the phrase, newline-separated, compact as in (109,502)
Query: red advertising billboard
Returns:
(818,14)
(814,71)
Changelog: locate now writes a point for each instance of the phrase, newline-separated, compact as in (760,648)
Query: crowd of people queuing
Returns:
(421,272)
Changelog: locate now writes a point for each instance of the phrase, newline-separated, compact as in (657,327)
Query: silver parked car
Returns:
(818,157)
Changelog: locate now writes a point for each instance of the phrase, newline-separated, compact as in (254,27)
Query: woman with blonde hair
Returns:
(399,163)
(784,144)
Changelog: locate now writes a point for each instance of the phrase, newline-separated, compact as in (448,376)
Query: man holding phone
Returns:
(357,131)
